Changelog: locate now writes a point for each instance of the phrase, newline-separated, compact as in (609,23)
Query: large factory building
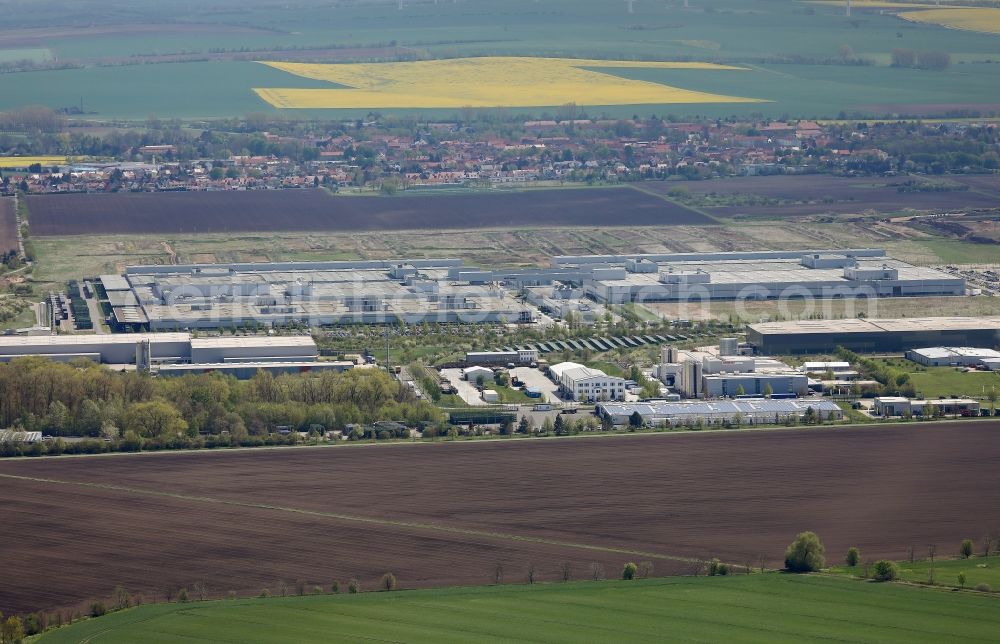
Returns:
(868,336)
(175,353)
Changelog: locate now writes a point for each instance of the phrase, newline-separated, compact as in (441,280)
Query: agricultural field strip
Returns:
(978,19)
(415,525)
(317,210)
(479,613)
(457,83)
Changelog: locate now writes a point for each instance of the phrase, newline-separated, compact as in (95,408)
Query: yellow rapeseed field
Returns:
(877,4)
(981,19)
(24,162)
(484,82)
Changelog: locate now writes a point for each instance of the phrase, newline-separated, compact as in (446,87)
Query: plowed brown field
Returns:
(805,195)
(317,210)
(8,225)
(446,513)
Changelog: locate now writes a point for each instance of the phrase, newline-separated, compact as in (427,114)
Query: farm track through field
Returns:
(447,513)
(430,527)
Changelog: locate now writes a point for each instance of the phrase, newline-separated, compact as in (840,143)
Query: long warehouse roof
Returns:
(239,341)
(76,340)
(890,325)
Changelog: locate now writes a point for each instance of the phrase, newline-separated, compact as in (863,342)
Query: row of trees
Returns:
(893,380)
(81,398)
(14,629)
(931,60)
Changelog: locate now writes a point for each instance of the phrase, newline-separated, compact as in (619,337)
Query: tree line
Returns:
(892,381)
(131,410)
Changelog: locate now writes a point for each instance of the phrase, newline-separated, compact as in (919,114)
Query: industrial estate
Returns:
(578,320)
(414,291)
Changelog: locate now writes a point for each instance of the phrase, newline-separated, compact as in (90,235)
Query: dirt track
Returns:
(316,210)
(340,512)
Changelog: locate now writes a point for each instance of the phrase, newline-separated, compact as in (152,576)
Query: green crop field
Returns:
(177,90)
(757,608)
(766,36)
(977,570)
(946,382)
(955,251)
(14,55)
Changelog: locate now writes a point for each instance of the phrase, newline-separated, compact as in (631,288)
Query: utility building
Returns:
(585,384)
(701,374)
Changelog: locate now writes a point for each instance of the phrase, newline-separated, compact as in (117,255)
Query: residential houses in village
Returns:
(449,154)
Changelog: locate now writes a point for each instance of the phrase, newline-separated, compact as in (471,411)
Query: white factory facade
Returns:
(192,296)
(705,374)
(178,353)
(955,357)
(761,275)
(747,412)
(198,296)
(584,384)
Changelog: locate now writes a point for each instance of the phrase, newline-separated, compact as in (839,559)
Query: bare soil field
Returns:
(803,195)
(8,225)
(41,36)
(325,55)
(446,513)
(316,210)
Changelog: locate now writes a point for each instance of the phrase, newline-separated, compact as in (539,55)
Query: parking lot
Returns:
(466,390)
(535,378)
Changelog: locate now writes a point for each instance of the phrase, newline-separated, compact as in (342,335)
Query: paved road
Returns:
(96,316)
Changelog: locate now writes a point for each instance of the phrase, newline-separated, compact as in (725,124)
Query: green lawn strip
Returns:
(977,570)
(758,608)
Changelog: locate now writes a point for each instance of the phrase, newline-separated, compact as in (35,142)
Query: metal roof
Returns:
(114,283)
(857,325)
(88,340)
(712,407)
(940,353)
(241,341)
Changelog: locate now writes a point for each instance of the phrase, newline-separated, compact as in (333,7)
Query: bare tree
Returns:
(645,569)
(122,598)
(987,545)
(169,593)
(498,573)
(931,552)
(282,589)
(911,554)
(201,590)
(565,570)
(761,561)
(597,571)
(532,571)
